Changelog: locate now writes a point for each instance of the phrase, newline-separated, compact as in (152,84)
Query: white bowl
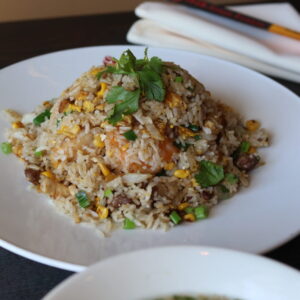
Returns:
(152,273)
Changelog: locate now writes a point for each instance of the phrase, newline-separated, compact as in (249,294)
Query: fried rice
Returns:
(157,164)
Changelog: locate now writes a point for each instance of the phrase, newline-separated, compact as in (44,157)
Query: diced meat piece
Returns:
(108,60)
(120,200)
(207,195)
(33,175)
(246,162)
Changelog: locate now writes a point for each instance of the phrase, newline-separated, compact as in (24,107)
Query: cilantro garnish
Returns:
(127,103)
(150,83)
(231,178)
(209,174)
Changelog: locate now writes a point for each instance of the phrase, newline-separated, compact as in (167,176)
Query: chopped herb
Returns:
(39,153)
(6,148)
(152,84)
(197,137)
(148,73)
(191,89)
(231,178)
(244,146)
(58,122)
(194,128)
(39,119)
(108,193)
(178,79)
(223,192)
(128,224)
(130,135)
(174,217)
(189,210)
(209,174)
(201,212)
(128,103)
(182,146)
(161,173)
(83,199)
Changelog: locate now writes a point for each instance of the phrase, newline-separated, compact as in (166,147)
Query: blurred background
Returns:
(15,10)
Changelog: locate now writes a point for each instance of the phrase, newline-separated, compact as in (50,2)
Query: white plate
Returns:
(151,273)
(255,220)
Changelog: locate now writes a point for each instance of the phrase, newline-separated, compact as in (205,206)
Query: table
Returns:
(24,279)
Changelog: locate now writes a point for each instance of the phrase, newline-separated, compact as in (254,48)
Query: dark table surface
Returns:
(21,278)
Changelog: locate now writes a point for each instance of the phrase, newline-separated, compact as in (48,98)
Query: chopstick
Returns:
(230,14)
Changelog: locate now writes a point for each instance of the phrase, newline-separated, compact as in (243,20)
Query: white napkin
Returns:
(174,26)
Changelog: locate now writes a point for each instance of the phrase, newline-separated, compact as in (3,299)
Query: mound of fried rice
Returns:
(144,179)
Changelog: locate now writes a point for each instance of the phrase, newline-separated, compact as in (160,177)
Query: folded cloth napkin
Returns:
(180,27)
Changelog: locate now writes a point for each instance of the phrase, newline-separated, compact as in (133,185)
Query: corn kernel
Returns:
(18,150)
(185,132)
(103,88)
(252,150)
(55,164)
(88,106)
(48,174)
(98,142)
(169,166)
(183,206)
(181,173)
(252,125)
(82,95)
(17,125)
(189,217)
(174,100)
(102,211)
(100,107)
(194,182)
(73,107)
(105,171)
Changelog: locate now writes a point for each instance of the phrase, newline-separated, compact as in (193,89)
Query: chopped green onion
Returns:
(201,212)
(39,119)
(128,224)
(6,148)
(244,146)
(197,137)
(130,135)
(108,193)
(174,217)
(189,210)
(38,153)
(83,199)
(182,146)
(223,192)
(194,128)
(231,178)
(178,79)
(58,122)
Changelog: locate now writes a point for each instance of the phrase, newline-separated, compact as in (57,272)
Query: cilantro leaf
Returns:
(152,85)
(129,103)
(127,61)
(117,93)
(155,64)
(209,174)
(231,178)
